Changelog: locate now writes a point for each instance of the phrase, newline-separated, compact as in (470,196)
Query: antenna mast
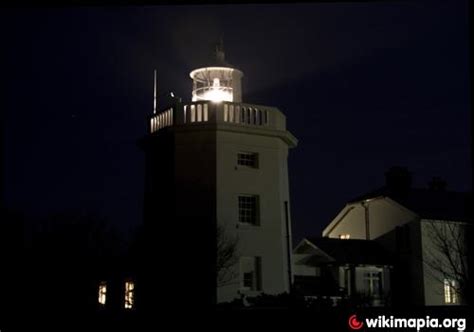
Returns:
(154,92)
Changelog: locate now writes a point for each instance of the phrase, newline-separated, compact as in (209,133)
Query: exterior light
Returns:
(216,84)
(216,93)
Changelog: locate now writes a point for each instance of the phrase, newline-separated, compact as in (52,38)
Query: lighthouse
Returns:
(217,161)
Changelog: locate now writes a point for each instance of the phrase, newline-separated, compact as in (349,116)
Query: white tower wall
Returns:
(269,181)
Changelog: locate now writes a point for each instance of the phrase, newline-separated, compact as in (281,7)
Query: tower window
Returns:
(248,209)
(129,294)
(250,273)
(450,295)
(249,159)
(102,292)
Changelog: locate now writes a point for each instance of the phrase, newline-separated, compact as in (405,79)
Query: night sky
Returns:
(364,86)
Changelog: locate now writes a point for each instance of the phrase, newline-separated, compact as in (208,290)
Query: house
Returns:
(423,230)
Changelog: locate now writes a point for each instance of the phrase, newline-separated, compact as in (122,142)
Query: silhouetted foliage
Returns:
(448,255)
(66,256)
(284,300)
(226,257)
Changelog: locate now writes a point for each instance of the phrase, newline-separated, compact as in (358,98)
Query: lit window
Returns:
(250,273)
(248,159)
(129,294)
(248,209)
(345,236)
(450,294)
(102,292)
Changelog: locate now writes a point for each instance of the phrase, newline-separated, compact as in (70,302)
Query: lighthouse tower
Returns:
(215,160)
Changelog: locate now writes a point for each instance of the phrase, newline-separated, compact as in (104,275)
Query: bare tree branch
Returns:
(226,257)
(447,257)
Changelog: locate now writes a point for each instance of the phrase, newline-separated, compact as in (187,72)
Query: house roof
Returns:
(352,251)
(427,203)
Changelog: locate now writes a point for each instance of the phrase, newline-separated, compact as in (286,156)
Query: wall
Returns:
(404,244)
(179,256)
(270,182)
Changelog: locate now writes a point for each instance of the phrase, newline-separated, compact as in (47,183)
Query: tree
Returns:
(447,255)
(65,256)
(226,257)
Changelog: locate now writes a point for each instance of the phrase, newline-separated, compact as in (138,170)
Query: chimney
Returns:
(437,184)
(398,180)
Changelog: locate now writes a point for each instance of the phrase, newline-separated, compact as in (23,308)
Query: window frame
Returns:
(373,281)
(241,216)
(241,161)
(256,274)
(450,293)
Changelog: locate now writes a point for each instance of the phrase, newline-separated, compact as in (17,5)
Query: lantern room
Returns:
(217,83)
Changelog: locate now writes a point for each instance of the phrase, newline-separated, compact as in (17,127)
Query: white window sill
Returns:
(241,225)
(246,168)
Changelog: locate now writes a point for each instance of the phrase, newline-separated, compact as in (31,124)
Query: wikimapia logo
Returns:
(383,322)
(354,323)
